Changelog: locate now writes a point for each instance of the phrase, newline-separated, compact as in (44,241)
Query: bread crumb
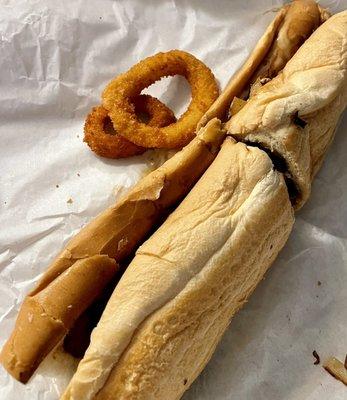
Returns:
(70,201)
(30,318)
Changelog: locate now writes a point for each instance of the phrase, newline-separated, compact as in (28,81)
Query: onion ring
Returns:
(101,137)
(119,92)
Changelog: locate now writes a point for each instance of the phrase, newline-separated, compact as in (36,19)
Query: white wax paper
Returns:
(55,59)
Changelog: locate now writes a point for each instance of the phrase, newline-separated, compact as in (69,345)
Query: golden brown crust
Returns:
(47,316)
(177,296)
(112,233)
(296,113)
(301,19)
(292,25)
(115,233)
(237,82)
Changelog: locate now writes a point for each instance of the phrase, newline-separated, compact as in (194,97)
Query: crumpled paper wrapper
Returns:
(56,57)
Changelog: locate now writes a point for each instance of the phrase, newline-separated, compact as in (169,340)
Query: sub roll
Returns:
(234,189)
(294,115)
(176,298)
(179,293)
(88,263)
(293,24)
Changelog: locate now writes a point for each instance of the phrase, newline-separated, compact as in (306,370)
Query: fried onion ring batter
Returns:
(119,92)
(101,137)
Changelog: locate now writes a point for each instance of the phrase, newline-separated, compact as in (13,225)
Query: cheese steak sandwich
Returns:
(201,230)
(179,293)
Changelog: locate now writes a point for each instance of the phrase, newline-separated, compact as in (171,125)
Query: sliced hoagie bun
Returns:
(115,234)
(294,115)
(118,230)
(302,17)
(177,296)
(179,293)
(293,24)
(46,317)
